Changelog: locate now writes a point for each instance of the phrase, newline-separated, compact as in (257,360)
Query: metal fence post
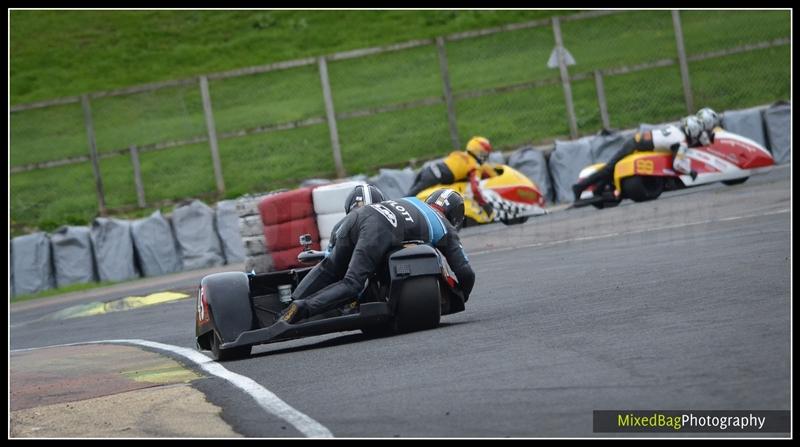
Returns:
(331,114)
(137,177)
(212,134)
(601,98)
(687,86)
(562,68)
(98,180)
(448,93)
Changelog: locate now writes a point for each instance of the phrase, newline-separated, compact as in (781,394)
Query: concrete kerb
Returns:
(108,390)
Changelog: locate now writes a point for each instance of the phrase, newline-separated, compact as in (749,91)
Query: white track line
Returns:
(265,398)
(626,233)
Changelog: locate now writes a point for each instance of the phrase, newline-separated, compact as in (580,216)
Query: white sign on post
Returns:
(553,61)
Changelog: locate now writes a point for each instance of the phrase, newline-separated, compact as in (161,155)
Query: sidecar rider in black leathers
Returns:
(365,237)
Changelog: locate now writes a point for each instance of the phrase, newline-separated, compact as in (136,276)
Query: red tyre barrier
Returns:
(287,235)
(286,206)
(286,259)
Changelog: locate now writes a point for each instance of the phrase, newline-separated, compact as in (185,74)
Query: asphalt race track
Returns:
(678,303)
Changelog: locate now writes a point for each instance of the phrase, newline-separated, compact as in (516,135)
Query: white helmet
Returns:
(693,128)
(709,118)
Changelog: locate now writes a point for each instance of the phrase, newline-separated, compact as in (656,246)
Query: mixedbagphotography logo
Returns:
(691,421)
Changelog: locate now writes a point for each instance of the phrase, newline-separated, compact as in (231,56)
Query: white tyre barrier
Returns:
(326,222)
(254,246)
(329,199)
(250,226)
(259,264)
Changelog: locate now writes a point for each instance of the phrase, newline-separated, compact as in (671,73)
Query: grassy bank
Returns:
(199,42)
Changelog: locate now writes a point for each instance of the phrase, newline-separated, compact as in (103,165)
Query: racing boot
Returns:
(295,312)
(595,177)
(577,189)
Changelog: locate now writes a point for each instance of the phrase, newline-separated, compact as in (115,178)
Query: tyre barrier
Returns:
(329,206)
(251,229)
(747,123)
(197,237)
(255,245)
(113,249)
(31,261)
(155,245)
(227,222)
(247,205)
(565,163)
(285,217)
(329,199)
(286,259)
(72,255)
(259,263)
(327,222)
(286,235)
(286,206)
(250,226)
(394,183)
(777,123)
(118,250)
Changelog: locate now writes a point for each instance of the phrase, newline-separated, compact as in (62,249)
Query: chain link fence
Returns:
(274,126)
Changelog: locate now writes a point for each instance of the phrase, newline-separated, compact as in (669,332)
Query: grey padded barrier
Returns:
(531,162)
(497,158)
(357,178)
(605,146)
(644,127)
(315,182)
(73,260)
(11,268)
(566,162)
(228,231)
(777,122)
(31,260)
(155,245)
(394,183)
(113,249)
(197,238)
(747,123)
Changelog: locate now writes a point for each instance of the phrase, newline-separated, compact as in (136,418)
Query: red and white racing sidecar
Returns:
(730,159)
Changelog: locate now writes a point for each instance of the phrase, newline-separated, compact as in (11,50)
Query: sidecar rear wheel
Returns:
(640,188)
(419,304)
(737,181)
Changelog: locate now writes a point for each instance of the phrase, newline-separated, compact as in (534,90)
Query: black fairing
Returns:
(416,260)
(228,297)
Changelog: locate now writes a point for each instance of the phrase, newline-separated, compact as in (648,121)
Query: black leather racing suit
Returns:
(434,173)
(364,239)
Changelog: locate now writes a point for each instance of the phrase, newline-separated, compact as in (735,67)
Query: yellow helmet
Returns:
(480,148)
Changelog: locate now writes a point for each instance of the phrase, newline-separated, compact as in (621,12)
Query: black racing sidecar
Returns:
(236,310)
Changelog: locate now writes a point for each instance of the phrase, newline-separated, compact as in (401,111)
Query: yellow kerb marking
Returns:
(170,372)
(127,303)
